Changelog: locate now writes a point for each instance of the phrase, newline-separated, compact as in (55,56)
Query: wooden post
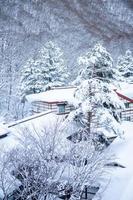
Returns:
(85,192)
(89,121)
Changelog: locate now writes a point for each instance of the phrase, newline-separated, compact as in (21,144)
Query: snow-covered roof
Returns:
(53,95)
(37,122)
(126,91)
(120,184)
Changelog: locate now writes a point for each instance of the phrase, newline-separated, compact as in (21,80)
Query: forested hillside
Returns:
(75,25)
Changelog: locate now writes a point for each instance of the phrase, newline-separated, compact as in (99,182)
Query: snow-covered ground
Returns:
(119,185)
(48,123)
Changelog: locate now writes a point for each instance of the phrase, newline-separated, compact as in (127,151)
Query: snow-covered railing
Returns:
(28,118)
(62,87)
(5,129)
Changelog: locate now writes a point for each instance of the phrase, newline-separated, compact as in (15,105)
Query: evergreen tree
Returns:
(125,67)
(98,103)
(52,65)
(99,107)
(32,79)
(46,69)
(97,63)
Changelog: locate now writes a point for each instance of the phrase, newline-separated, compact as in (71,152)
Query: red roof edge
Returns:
(53,102)
(124,97)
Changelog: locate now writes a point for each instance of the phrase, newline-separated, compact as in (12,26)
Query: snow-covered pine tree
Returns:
(97,63)
(125,67)
(95,94)
(46,69)
(32,79)
(99,106)
(52,65)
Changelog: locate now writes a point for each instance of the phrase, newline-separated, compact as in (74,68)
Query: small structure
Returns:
(58,99)
(126,95)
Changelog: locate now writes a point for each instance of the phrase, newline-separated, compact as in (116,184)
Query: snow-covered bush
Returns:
(44,161)
(8,183)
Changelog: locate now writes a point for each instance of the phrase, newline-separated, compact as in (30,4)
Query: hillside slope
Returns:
(25,25)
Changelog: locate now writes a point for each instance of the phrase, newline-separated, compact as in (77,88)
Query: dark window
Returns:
(89,192)
(61,108)
(128,118)
(127,105)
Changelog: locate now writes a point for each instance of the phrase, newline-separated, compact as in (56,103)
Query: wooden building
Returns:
(56,99)
(60,101)
(127,97)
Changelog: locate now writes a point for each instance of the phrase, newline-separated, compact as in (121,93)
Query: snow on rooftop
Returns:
(29,118)
(53,95)
(3,129)
(9,142)
(13,128)
(49,123)
(126,90)
(119,185)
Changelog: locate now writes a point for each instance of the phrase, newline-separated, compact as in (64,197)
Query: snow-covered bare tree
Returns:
(45,160)
(125,67)
(8,75)
(8,183)
(37,162)
(85,166)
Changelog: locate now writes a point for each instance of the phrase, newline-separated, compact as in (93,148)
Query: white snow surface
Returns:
(126,89)
(47,122)
(3,129)
(119,185)
(53,95)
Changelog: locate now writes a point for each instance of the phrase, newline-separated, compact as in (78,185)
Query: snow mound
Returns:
(119,185)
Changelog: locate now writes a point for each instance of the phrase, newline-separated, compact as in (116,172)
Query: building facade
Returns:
(58,100)
(126,114)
